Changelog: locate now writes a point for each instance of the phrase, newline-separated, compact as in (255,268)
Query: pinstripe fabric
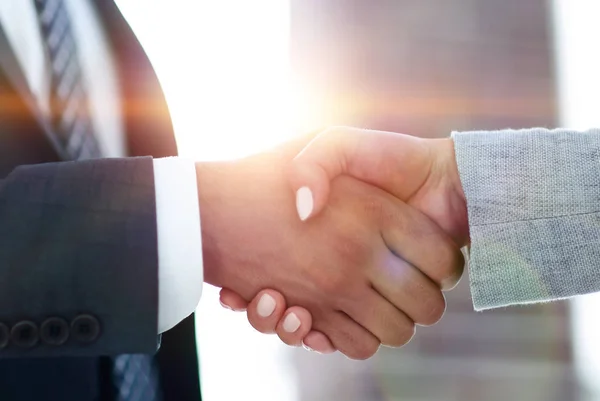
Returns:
(68,95)
(136,378)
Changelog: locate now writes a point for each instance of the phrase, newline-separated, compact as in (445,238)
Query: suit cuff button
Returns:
(25,334)
(54,331)
(85,329)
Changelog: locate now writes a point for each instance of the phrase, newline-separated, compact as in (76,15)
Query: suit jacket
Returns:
(78,244)
(533,199)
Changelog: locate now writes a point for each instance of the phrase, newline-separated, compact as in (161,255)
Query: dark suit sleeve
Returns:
(78,259)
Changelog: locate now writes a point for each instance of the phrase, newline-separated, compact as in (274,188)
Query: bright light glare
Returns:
(224,66)
(577,71)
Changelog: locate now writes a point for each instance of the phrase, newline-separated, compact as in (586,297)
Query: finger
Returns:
(294,326)
(415,238)
(350,338)
(383,319)
(265,311)
(232,300)
(318,342)
(396,163)
(409,290)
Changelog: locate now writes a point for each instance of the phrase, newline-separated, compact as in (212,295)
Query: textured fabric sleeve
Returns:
(78,259)
(533,199)
(180,274)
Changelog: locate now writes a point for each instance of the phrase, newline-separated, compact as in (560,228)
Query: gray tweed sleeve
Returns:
(533,199)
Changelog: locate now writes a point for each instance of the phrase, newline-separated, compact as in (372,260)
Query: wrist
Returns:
(453,173)
(457,188)
(231,196)
(209,177)
(448,177)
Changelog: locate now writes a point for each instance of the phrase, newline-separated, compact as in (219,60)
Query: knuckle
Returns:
(260,326)
(340,137)
(332,283)
(289,340)
(335,132)
(353,250)
(375,208)
(363,351)
(402,336)
(450,263)
(433,310)
(348,256)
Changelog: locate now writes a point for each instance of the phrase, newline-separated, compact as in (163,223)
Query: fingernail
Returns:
(304,202)
(448,283)
(291,323)
(306,347)
(225,305)
(266,305)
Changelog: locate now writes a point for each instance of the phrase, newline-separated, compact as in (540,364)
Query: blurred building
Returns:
(426,68)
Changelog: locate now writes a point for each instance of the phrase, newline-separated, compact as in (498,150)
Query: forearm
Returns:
(533,199)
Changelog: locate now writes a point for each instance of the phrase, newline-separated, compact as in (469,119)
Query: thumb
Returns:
(396,163)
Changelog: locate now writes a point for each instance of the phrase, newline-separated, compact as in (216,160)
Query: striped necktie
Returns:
(70,116)
(134,377)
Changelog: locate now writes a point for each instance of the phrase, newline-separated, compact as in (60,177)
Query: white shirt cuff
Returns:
(180,270)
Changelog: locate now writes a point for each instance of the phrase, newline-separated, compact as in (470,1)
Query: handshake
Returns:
(342,241)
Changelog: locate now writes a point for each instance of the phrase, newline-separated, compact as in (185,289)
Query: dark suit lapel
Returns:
(11,67)
(147,119)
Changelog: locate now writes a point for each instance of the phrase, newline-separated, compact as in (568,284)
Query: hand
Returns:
(421,172)
(268,313)
(342,266)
